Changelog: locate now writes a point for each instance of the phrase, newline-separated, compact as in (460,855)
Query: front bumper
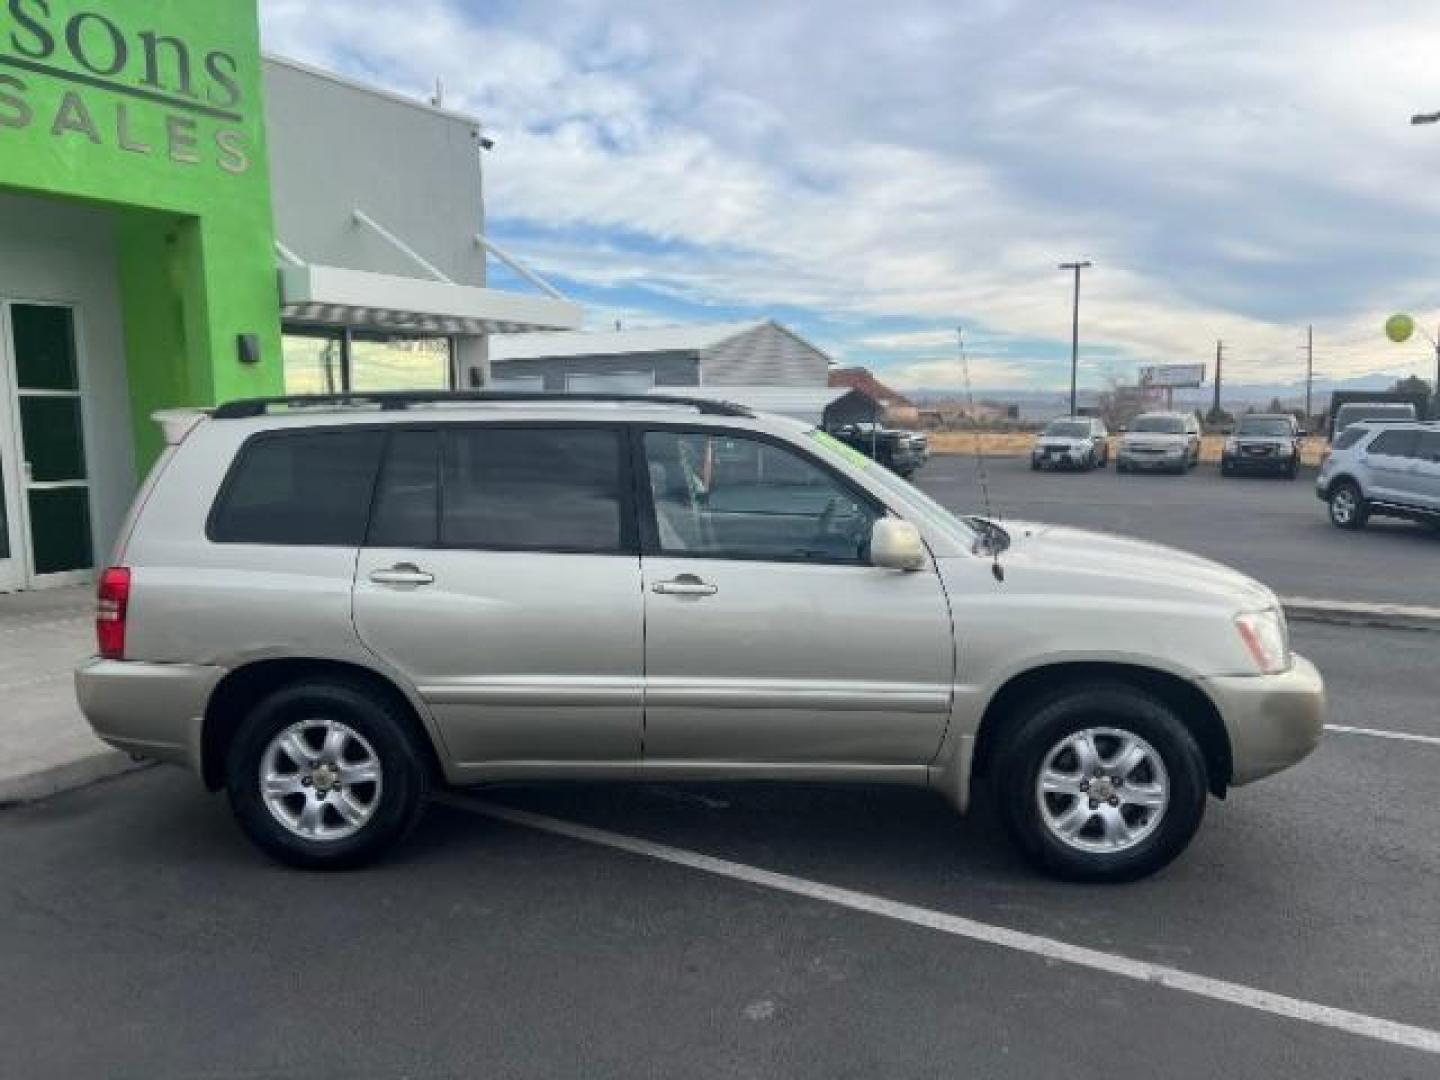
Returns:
(1267,463)
(150,710)
(1168,460)
(1273,721)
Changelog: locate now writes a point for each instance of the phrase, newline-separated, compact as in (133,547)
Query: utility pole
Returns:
(1219,359)
(1075,334)
(1309,371)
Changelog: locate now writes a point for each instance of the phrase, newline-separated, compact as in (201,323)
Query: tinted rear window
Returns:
(309,488)
(556,489)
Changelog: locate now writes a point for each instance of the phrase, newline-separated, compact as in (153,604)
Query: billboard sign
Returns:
(1172,376)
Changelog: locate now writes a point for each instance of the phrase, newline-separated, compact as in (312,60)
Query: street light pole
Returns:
(1075,334)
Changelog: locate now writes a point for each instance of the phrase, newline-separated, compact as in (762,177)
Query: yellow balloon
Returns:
(1399,328)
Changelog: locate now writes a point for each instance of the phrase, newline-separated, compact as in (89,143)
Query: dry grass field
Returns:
(1018,444)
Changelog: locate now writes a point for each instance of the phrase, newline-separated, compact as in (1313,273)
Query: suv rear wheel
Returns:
(325,775)
(1101,783)
(1348,508)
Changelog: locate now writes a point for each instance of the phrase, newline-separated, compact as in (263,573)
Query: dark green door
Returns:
(49,454)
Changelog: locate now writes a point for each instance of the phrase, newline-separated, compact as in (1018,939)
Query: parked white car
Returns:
(328,607)
(1164,441)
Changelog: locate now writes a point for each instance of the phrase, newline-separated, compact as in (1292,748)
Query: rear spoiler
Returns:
(178,423)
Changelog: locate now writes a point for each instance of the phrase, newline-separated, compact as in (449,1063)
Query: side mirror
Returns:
(896,545)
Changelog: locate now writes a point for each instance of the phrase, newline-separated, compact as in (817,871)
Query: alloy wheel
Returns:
(1102,790)
(321,779)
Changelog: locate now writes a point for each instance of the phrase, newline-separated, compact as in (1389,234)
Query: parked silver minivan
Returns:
(328,607)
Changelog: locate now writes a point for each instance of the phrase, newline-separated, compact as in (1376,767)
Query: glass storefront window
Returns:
(398,363)
(313,363)
(331,362)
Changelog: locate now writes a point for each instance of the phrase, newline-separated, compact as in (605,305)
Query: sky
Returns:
(875,175)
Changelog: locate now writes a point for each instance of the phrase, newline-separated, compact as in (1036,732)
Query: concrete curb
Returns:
(1357,613)
(102,765)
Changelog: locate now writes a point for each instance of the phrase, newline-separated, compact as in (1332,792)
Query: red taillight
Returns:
(112,605)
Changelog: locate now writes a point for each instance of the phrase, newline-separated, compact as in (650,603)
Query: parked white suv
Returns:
(1073,442)
(329,606)
(1167,441)
(1382,468)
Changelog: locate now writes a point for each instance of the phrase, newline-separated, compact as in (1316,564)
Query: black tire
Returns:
(1040,726)
(1348,508)
(1293,471)
(1226,469)
(398,800)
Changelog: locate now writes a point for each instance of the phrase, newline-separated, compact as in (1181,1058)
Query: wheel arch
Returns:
(1344,478)
(247,685)
(1193,705)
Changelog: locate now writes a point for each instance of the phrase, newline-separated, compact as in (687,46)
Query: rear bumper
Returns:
(1273,721)
(151,710)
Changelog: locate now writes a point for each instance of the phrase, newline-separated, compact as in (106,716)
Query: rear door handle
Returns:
(685,585)
(402,574)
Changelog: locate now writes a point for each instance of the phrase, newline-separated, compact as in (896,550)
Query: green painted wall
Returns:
(154,108)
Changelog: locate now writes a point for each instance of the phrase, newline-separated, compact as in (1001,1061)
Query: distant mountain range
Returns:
(1232,395)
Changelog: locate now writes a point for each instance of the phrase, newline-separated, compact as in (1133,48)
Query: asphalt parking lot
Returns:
(1275,530)
(144,938)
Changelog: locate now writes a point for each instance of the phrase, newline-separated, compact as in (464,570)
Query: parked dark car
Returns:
(1263,443)
(898,450)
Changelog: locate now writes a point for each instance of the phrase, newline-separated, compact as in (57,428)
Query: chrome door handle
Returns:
(685,585)
(402,574)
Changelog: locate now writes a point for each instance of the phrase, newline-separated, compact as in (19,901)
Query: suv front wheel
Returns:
(1348,508)
(324,775)
(1100,783)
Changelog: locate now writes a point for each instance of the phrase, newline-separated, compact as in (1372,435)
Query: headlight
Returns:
(1266,638)
(1231,446)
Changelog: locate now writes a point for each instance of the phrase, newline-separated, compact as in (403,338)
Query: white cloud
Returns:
(1234,170)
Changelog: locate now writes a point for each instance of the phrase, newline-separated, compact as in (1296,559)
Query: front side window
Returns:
(309,488)
(1428,447)
(722,495)
(532,489)
(1394,444)
(1349,437)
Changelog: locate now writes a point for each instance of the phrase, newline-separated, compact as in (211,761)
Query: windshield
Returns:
(1068,429)
(1264,425)
(893,484)
(1164,425)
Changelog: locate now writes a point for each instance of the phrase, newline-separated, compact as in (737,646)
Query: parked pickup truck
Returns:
(899,451)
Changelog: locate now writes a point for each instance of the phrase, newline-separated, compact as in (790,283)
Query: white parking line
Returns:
(1369,1027)
(1377,733)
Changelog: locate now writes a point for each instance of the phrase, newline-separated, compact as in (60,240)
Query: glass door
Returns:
(12,573)
(46,448)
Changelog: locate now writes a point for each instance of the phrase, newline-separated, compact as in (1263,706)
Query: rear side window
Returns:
(305,488)
(533,489)
(407,499)
(1349,437)
(1395,444)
